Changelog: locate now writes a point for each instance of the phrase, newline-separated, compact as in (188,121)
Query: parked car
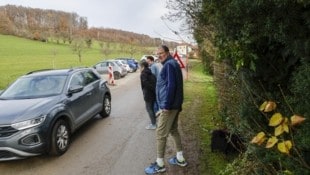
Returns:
(124,65)
(118,70)
(133,64)
(41,109)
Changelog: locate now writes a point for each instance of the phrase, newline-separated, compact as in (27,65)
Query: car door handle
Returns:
(89,94)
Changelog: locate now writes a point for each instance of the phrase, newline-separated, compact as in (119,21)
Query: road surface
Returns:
(116,145)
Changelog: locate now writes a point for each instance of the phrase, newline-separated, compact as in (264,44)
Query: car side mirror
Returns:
(75,89)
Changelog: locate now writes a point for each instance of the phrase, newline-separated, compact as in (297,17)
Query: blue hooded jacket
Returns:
(169,86)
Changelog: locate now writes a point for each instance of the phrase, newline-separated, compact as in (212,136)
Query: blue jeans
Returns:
(150,110)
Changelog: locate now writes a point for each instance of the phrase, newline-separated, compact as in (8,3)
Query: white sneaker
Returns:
(151,126)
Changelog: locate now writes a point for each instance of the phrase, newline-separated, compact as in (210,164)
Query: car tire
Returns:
(106,106)
(117,75)
(60,138)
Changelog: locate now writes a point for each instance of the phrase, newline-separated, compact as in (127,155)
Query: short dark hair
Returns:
(165,48)
(144,64)
(150,58)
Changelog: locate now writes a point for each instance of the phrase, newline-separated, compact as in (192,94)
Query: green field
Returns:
(19,56)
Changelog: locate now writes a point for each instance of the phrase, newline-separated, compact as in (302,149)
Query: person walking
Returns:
(169,93)
(155,68)
(148,85)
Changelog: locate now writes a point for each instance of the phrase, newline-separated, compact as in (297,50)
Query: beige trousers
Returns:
(167,124)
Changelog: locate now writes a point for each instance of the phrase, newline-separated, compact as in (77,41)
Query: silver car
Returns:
(118,70)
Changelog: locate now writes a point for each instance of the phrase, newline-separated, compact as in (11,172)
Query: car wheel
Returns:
(106,107)
(117,75)
(60,138)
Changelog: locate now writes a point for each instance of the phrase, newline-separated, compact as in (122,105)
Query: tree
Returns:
(105,48)
(6,26)
(78,46)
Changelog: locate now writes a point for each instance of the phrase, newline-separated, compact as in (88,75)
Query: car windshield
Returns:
(35,87)
(118,63)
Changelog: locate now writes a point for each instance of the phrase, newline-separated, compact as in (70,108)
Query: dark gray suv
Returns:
(40,110)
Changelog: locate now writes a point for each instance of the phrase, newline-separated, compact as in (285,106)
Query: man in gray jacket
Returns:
(169,93)
(155,68)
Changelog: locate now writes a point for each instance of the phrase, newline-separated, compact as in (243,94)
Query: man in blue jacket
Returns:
(169,93)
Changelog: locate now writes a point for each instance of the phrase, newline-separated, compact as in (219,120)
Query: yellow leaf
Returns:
(296,119)
(276,119)
(288,144)
(263,106)
(285,146)
(259,138)
(282,148)
(287,172)
(279,130)
(285,125)
(270,106)
(271,142)
(261,141)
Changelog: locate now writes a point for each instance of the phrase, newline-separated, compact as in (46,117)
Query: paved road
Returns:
(115,145)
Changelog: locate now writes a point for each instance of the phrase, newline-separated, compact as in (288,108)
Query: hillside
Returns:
(42,24)
(19,55)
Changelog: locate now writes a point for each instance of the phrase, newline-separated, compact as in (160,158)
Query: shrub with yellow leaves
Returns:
(281,125)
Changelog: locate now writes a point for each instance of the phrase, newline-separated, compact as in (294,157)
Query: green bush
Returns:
(265,42)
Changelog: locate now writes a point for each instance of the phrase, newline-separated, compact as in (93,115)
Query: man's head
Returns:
(163,53)
(150,59)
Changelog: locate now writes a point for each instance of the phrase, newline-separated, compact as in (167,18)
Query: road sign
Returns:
(178,58)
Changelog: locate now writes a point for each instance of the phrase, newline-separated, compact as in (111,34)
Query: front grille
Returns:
(7,155)
(6,131)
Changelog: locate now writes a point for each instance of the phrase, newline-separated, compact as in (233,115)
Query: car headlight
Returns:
(28,123)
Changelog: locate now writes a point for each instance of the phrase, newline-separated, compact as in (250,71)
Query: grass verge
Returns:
(199,117)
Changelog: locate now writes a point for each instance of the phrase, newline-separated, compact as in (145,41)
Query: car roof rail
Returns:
(75,68)
(40,70)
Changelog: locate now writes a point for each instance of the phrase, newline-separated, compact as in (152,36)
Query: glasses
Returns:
(160,53)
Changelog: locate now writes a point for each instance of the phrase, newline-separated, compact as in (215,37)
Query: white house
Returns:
(183,49)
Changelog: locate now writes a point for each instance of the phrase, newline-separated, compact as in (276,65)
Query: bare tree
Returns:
(6,26)
(105,48)
(132,48)
(78,46)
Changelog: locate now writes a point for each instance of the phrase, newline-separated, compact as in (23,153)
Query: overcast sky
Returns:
(139,16)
